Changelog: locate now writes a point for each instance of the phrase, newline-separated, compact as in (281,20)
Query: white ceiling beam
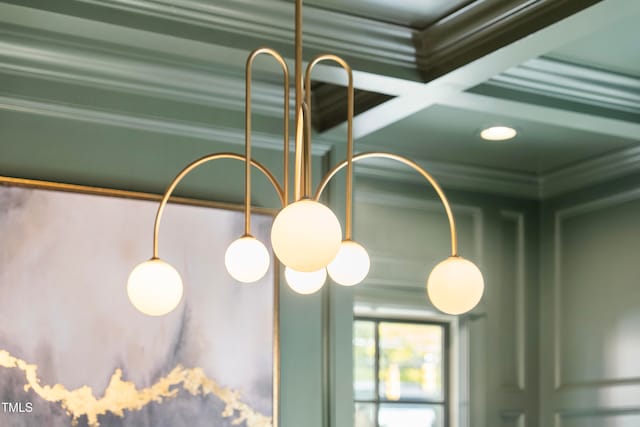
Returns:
(454,83)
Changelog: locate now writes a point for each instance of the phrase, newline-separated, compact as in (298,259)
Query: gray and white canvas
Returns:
(64,263)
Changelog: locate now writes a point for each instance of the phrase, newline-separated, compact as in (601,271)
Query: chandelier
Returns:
(306,236)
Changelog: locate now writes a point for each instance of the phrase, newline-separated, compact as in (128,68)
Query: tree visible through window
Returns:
(400,373)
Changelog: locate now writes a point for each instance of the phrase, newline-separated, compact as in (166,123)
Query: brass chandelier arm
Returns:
(350,107)
(184,172)
(299,163)
(411,164)
(306,154)
(247,130)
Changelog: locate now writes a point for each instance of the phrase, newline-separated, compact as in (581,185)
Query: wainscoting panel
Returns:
(599,418)
(513,315)
(591,344)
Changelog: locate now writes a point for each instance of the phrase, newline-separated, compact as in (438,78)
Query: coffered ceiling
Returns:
(613,48)
(429,75)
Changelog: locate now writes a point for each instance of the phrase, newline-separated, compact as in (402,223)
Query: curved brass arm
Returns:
(247,130)
(410,163)
(194,165)
(350,106)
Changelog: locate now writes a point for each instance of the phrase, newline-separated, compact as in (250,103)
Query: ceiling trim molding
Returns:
(590,172)
(573,82)
(462,177)
(144,76)
(589,122)
(482,27)
(272,21)
(530,186)
(150,124)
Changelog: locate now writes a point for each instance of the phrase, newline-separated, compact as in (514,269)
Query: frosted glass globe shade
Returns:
(154,287)
(455,286)
(247,259)
(306,236)
(305,283)
(351,265)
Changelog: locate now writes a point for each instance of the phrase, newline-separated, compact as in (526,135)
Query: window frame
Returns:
(446,361)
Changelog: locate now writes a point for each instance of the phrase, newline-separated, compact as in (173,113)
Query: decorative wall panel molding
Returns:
(625,416)
(561,383)
(514,286)
(513,419)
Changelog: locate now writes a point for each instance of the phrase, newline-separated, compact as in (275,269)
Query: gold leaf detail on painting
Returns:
(121,396)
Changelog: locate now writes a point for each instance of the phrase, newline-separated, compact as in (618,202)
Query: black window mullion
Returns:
(377,400)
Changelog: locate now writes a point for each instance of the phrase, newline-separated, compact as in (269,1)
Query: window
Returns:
(400,373)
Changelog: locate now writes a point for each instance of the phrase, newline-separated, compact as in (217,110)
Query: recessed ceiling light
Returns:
(498,133)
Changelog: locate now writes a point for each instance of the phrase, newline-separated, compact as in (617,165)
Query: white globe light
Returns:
(305,283)
(154,287)
(247,259)
(351,265)
(306,236)
(455,286)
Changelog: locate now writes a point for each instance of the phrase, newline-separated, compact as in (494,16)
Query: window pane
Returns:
(365,415)
(405,415)
(411,362)
(364,353)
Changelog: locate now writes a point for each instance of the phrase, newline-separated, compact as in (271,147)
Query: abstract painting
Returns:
(75,352)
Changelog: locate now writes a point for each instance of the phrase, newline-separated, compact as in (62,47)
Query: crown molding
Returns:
(214,134)
(530,186)
(590,172)
(485,26)
(251,23)
(572,82)
(137,72)
(451,175)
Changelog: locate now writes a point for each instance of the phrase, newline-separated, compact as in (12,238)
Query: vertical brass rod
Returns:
(299,165)
(247,146)
(298,179)
(350,108)
(306,113)
(193,165)
(413,165)
(285,159)
(276,346)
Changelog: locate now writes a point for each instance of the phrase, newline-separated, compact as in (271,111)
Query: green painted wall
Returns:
(554,342)
(405,229)
(555,336)
(590,300)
